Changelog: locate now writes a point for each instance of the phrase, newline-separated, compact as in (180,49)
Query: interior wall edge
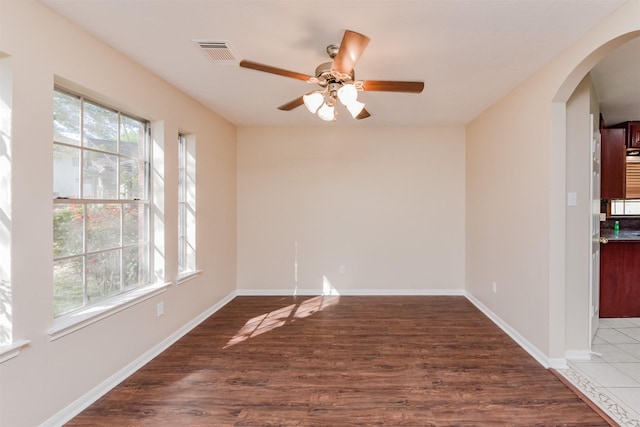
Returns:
(526,345)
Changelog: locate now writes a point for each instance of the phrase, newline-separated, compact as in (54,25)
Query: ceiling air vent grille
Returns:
(218,52)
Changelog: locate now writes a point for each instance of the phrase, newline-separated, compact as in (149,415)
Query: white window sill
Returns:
(10,351)
(187,275)
(67,324)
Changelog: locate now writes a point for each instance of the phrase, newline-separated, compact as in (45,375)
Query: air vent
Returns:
(219,52)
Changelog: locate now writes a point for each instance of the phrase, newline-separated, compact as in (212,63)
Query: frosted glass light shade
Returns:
(313,101)
(326,112)
(355,108)
(347,93)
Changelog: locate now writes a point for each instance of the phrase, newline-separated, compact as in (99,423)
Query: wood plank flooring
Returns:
(343,361)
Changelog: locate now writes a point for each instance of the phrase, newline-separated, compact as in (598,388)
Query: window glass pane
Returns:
(100,128)
(135,224)
(67,285)
(190,256)
(135,263)
(67,230)
(66,118)
(103,226)
(66,171)
(625,207)
(103,275)
(632,207)
(132,138)
(617,207)
(132,179)
(190,191)
(99,176)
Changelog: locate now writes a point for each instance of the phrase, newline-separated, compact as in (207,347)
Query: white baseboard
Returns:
(277,292)
(577,355)
(87,399)
(352,292)
(540,357)
(558,363)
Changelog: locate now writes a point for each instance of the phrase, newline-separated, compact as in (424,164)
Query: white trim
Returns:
(10,351)
(558,363)
(101,389)
(72,322)
(519,339)
(187,276)
(277,292)
(353,292)
(577,355)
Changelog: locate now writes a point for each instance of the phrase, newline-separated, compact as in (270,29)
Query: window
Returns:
(625,207)
(101,202)
(186,207)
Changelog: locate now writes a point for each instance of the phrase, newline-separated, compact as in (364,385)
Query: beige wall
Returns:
(507,221)
(47,376)
(387,203)
(516,160)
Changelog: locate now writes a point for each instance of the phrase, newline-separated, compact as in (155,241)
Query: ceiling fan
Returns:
(337,80)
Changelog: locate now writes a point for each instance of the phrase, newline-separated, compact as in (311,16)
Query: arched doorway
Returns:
(569,296)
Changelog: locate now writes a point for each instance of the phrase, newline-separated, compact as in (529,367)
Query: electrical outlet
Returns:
(160,308)
(342,269)
(494,287)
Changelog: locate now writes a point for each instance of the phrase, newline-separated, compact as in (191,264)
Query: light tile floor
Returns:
(611,379)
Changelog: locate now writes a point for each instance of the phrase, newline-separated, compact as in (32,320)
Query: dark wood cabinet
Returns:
(620,279)
(632,133)
(613,155)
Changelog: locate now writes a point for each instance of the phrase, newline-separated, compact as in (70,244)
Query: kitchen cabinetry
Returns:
(633,134)
(632,131)
(613,155)
(620,279)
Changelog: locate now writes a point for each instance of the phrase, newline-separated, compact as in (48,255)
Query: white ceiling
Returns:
(469,53)
(617,82)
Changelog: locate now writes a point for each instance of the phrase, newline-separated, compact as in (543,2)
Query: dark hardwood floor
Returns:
(343,361)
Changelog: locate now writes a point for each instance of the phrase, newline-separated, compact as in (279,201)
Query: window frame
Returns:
(126,292)
(623,205)
(186,265)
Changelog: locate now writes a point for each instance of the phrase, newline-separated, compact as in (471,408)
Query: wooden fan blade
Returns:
(351,47)
(363,114)
(391,86)
(274,70)
(291,104)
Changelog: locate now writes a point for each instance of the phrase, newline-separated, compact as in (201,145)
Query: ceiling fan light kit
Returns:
(337,80)
(322,102)
(355,108)
(313,101)
(327,112)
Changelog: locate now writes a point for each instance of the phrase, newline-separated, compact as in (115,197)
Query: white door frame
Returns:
(594,258)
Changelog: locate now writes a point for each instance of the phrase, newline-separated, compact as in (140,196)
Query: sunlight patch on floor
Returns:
(277,318)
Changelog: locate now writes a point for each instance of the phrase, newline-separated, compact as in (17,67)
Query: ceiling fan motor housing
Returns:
(326,74)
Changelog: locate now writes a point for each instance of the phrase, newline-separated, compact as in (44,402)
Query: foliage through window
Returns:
(101,202)
(186,206)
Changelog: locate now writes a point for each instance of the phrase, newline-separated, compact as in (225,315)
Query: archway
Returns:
(562,294)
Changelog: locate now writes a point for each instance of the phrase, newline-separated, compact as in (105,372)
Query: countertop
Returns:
(620,236)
